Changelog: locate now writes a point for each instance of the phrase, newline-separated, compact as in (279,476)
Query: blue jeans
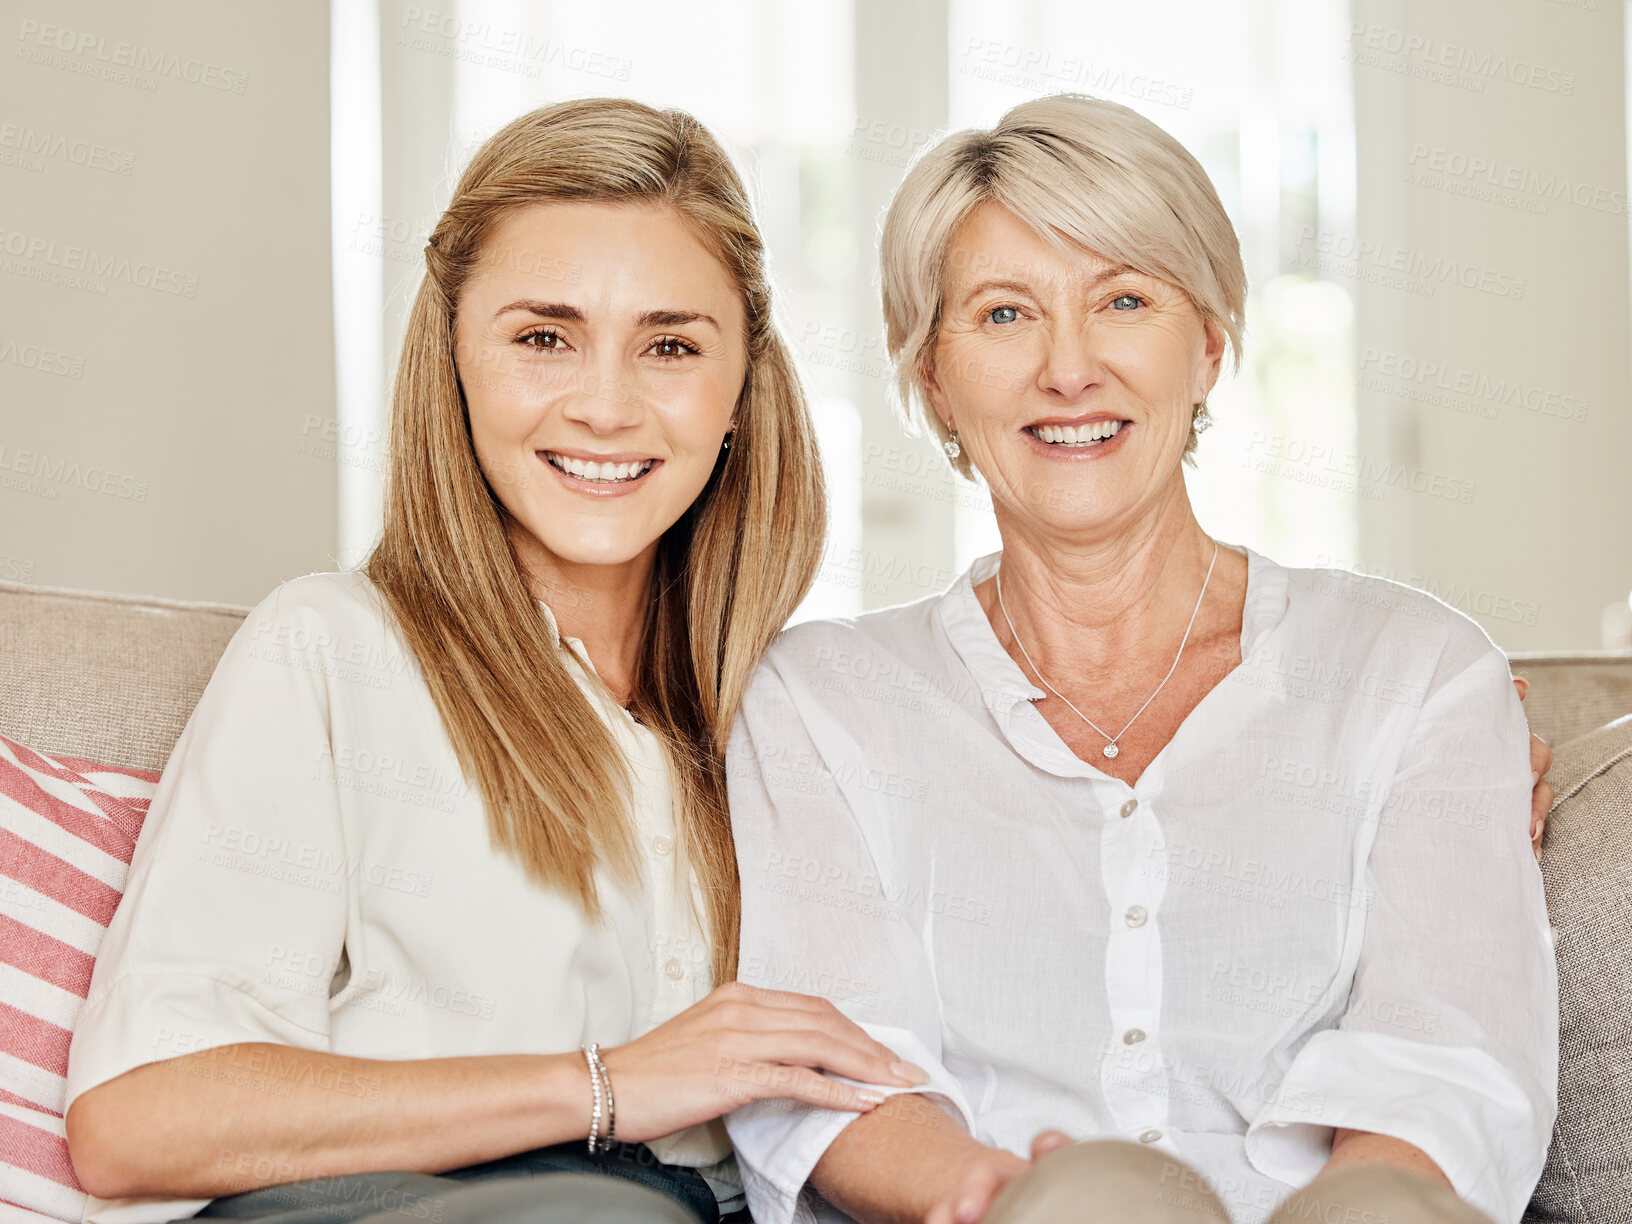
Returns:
(548,1185)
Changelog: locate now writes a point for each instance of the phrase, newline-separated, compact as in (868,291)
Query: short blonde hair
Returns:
(1076,169)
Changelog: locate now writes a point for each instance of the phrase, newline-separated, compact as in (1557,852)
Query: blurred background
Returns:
(212,217)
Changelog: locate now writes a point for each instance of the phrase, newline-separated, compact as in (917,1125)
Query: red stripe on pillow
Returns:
(38,1151)
(117,811)
(33,789)
(11,1098)
(74,771)
(34,1040)
(80,765)
(64,883)
(16,784)
(126,815)
(45,957)
(57,768)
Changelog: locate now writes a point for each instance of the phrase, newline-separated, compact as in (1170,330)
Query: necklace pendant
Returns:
(1110,750)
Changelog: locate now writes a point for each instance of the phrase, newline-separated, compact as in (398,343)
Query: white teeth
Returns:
(1076,435)
(589,469)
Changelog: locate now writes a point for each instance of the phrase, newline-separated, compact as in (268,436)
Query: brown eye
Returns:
(669,347)
(546,340)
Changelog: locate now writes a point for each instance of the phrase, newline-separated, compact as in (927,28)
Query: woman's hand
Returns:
(986,1178)
(743,1044)
(1541,760)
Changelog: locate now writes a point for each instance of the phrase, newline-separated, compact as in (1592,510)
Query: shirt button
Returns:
(1150,1136)
(1136,915)
(1129,807)
(1133,1036)
(663,844)
(674,969)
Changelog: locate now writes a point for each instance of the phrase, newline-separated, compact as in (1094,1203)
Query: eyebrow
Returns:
(1013,286)
(544,310)
(572,314)
(675,318)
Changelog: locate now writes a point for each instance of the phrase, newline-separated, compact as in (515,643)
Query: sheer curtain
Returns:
(824,105)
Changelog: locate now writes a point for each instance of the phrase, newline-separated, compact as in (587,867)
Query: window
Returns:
(824,106)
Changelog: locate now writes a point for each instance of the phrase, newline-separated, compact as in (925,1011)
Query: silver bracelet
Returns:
(611,1109)
(604,1084)
(592,1059)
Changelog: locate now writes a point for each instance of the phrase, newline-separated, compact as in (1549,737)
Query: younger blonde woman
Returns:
(428,912)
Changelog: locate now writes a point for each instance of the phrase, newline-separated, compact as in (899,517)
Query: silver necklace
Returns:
(1110,748)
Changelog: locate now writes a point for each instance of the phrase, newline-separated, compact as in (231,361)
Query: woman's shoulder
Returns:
(894,633)
(1370,612)
(328,594)
(848,680)
(325,613)
(851,668)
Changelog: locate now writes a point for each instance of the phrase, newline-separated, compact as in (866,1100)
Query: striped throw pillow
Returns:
(67,828)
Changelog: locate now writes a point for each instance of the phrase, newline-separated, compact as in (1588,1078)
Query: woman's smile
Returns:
(600,475)
(1098,436)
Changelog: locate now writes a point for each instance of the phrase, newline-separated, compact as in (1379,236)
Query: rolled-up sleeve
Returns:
(1450,1038)
(235,909)
(820,860)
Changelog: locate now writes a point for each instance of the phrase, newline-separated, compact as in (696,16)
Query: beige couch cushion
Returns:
(114,677)
(107,677)
(1587,862)
(1571,695)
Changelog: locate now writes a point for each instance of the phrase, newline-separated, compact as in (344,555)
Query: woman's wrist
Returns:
(899,1161)
(559,1099)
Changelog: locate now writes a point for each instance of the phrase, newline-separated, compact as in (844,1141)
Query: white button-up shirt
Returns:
(1316,908)
(316,871)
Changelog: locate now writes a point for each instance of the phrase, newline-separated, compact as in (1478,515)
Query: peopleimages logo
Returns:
(1478,63)
(992,59)
(1339,254)
(144,61)
(57,147)
(1309,461)
(1493,173)
(42,474)
(1389,371)
(72,258)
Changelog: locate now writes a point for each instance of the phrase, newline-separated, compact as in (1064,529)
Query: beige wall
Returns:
(183,443)
(166,352)
(1520,435)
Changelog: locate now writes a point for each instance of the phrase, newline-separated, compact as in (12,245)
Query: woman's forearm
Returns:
(1352,1147)
(238,1117)
(892,1165)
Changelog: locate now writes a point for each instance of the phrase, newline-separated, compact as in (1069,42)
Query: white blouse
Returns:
(1316,908)
(316,871)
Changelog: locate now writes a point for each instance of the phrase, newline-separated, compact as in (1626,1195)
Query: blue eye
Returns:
(1132,302)
(1003,314)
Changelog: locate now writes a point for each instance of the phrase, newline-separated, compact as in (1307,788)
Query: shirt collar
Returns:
(572,644)
(999,677)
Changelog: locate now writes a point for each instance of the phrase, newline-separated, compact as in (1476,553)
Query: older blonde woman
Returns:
(1130,836)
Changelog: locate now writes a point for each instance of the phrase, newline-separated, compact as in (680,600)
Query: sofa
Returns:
(112,679)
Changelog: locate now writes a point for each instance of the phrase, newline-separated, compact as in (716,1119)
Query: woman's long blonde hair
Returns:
(728,574)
